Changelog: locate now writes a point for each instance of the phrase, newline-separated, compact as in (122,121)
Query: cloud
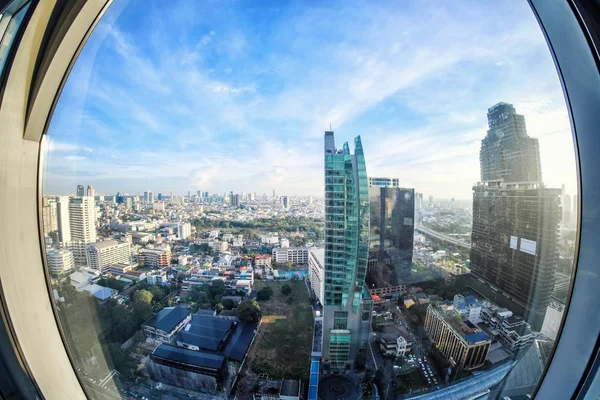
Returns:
(220,97)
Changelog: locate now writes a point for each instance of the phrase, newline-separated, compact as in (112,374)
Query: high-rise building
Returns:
(49,215)
(383,182)
(392,232)
(430,201)
(80,190)
(91,191)
(107,252)
(82,221)
(575,206)
(62,219)
(316,268)
(285,202)
(515,218)
(348,306)
(274,193)
(184,230)
(566,209)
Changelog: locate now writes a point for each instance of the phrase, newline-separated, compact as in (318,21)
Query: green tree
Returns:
(265,293)
(143,296)
(142,310)
(228,304)
(219,307)
(286,289)
(249,311)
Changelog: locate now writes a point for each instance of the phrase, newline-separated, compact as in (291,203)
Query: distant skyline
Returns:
(221,96)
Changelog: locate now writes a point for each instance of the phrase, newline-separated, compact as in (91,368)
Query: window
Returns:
(143,128)
(10,20)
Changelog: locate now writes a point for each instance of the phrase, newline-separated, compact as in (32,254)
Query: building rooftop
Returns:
(206,332)
(289,387)
(105,244)
(189,357)
(477,337)
(167,319)
(239,341)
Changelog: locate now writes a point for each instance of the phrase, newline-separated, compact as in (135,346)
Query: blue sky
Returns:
(236,95)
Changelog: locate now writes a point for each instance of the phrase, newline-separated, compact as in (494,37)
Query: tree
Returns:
(286,289)
(219,307)
(228,304)
(142,310)
(265,293)
(289,300)
(143,296)
(249,311)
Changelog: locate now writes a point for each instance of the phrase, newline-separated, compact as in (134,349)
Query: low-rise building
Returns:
(157,258)
(163,326)
(316,269)
(59,261)
(512,331)
(156,277)
(468,307)
(296,255)
(263,261)
(457,338)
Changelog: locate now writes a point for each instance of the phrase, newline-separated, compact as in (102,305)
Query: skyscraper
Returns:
(82,221)
(515,218)
(91,191)
(80,190)
(285,202)
(62,219)
(392,231)
(347,308)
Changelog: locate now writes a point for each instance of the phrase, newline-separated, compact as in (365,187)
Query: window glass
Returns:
(9,24)
(313,200)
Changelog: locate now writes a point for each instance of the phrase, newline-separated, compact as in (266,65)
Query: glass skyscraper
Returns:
(347,308)
(392,231)
(515,218)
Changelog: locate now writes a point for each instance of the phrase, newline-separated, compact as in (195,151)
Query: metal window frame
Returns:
(41,64)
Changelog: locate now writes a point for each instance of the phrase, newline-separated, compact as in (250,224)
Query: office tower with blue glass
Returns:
(348,306)
(515,217)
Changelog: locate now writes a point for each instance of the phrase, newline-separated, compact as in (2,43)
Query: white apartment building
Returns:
(158,206)
(184,230)
(59,260)
(156,277)
(316,269)
(270,238)
(512,331)
(62,219)
(82,221)
(108,252)
(297,255)
(49,222)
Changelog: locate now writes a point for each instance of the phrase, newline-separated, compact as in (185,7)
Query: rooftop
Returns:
(206,332)
(167,319)
(189,357)
(290,388)
(105,244)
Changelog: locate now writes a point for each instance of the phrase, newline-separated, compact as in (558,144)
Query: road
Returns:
(441,236)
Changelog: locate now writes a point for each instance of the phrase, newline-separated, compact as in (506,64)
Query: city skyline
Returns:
(236,99)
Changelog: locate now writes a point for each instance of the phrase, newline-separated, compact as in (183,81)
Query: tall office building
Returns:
(430,201)
(107,252)
(383,182)
(91,191)
(566,209)
(285,202)
(80,190)
(62,219)
(515,218)
(82,222)
(347,307)
(392,232)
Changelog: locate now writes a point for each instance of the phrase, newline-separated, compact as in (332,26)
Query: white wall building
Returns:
(62,219)
(59,260)
(82,222)
(108,252)
(316,269)
(184,230)
(297,255)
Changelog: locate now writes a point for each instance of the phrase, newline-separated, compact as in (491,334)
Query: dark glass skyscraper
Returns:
(392,231)
(347,308)
(515,218)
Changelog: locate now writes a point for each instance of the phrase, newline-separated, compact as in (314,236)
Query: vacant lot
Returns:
(283,344)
